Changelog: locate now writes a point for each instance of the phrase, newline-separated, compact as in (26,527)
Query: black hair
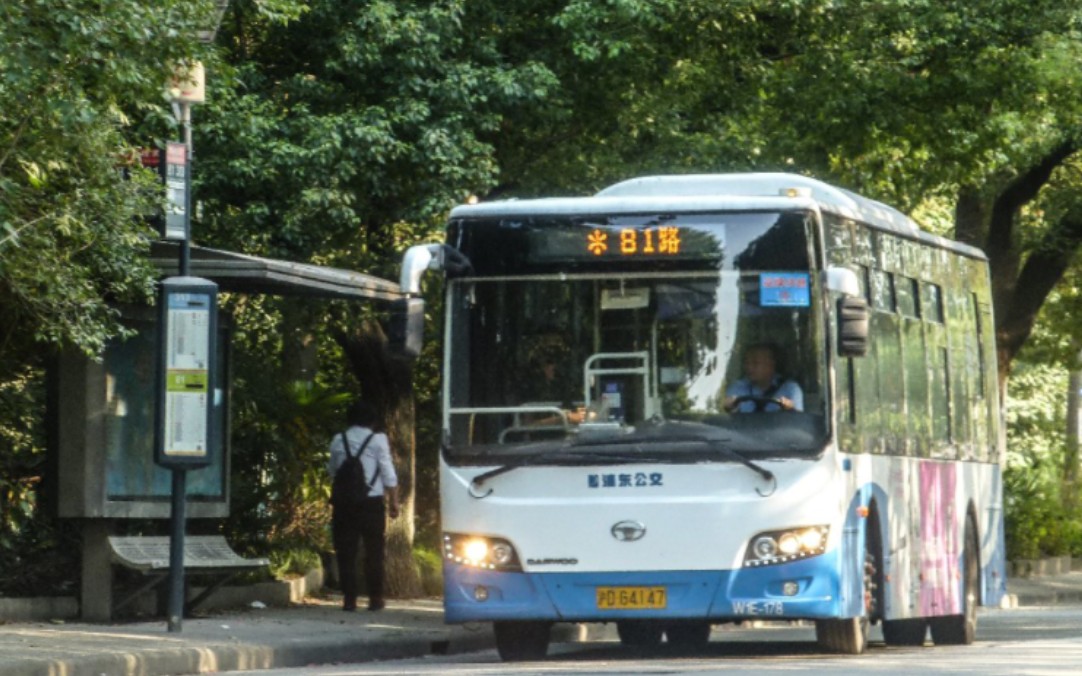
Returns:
(775,353)
(362,413)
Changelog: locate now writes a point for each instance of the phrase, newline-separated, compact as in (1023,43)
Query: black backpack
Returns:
(350,487)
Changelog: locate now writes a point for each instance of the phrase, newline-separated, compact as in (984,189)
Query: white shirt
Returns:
(376,453)
(788,389)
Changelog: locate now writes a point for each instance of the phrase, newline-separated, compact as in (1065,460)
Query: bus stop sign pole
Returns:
(187,329)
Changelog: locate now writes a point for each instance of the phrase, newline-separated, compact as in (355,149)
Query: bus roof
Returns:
(710,192)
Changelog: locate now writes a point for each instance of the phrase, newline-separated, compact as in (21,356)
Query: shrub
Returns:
(1038,516)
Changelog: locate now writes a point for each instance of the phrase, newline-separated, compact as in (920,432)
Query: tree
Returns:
(349,130)
(82,81)
(81,90)
(343,135)
(975,103)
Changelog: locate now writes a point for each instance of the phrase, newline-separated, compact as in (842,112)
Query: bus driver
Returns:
(762,389)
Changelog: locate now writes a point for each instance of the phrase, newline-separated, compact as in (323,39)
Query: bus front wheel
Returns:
(521,641)
(849,636)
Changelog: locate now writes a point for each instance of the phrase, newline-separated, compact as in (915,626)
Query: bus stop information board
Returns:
(177,181)
(186,373)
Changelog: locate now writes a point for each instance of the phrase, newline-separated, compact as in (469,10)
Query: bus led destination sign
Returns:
(660,240)
(515,244)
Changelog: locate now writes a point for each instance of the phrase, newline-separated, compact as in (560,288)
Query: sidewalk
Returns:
(313,632)
(1047,590)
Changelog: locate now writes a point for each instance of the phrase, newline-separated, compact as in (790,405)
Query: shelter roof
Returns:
(243,273)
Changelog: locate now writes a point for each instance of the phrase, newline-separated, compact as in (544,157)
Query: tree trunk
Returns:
(386,382)
(1070,460)
(1019,289)
(300,355)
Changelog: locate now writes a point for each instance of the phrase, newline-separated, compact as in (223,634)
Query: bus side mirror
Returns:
(852,326)
(841,280)
(406,328)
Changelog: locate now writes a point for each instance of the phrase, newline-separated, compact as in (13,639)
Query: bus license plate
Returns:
(631,598)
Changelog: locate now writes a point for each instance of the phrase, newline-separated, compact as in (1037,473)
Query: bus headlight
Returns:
(475,550)
(479,551)
(782,546)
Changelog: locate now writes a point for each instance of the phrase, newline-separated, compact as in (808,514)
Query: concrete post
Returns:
(96,594)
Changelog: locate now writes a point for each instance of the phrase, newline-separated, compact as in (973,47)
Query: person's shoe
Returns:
(349,605)
(376,605)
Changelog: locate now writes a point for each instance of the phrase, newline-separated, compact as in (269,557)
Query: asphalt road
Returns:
(1035,641)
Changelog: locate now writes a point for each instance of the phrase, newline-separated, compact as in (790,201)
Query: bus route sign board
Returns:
(188,315)
(784,289)
(177,177)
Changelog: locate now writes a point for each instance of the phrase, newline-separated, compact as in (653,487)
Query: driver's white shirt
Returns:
(788,389)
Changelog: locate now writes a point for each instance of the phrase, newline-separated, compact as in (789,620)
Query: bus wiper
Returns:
(578,458)
(745,461)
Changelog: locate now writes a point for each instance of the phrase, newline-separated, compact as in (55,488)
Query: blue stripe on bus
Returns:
(718,595)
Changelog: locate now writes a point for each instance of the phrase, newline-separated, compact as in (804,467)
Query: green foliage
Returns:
(22,449)
(430,564)
(77,80)
(38,554)
(293,562)
(347,122)
(1039,521)
(280,435)
(339,133)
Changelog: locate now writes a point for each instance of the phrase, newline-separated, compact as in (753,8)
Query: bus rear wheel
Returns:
(962,629)
(521,641)
(639,634)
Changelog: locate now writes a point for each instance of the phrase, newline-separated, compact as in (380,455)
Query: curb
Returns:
(1048,598)
(225,658)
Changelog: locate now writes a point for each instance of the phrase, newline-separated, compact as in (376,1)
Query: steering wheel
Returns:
(758,400)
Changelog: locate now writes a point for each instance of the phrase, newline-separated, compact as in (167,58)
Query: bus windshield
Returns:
(650,359)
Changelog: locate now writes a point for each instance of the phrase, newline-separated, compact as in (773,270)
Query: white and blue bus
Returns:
(595,468)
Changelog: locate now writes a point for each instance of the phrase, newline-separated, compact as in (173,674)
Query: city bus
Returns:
(600,463)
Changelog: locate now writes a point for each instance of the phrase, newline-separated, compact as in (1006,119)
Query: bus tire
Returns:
(849,636)
(688,635)
(907,632)
(637,634)
(846,636)
(962,629)
(521,641)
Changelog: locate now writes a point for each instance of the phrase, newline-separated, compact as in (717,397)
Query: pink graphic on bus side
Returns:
(939,593)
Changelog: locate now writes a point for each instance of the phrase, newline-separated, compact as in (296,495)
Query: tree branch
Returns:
(1019,192)
(1043,269)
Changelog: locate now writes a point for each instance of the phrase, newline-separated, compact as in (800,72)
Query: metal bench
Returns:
(149,555)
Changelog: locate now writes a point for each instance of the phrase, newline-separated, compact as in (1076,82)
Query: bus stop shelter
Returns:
(103,425)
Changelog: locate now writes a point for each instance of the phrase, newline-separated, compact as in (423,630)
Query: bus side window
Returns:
(865,279)
(907,296)
(931,302)
(882,287)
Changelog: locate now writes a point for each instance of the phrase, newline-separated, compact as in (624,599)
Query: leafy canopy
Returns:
(81,84)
